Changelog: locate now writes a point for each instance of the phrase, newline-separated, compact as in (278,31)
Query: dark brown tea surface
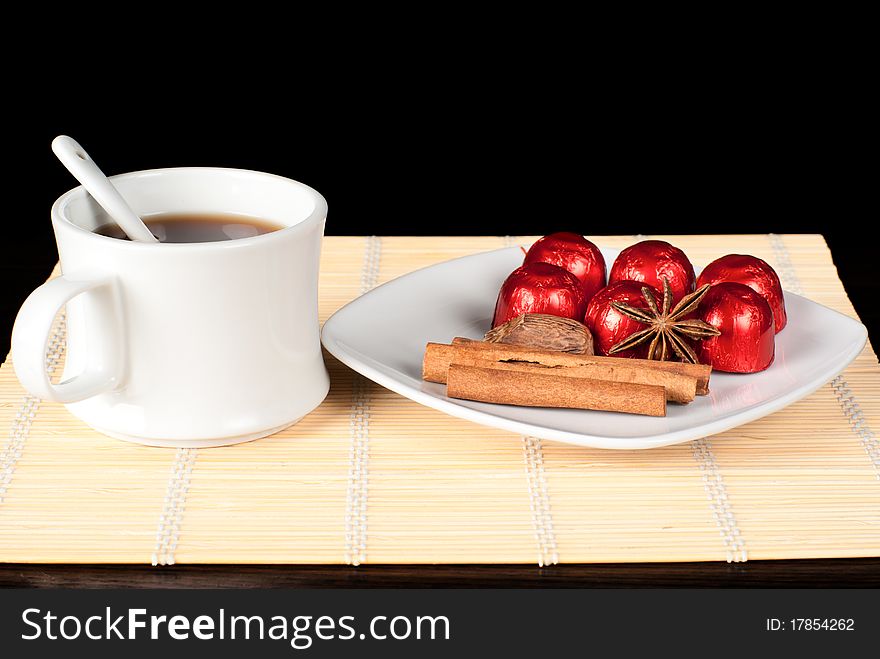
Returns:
(197,227)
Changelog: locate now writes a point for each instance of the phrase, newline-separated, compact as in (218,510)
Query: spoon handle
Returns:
(87,172)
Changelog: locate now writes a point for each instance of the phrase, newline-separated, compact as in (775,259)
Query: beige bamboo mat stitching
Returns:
(849,404)
(30,405)
(853,412)
(719,501)
(539,502)
(359,453)
(171,519)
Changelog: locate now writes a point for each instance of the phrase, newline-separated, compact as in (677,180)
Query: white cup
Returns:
(187,345)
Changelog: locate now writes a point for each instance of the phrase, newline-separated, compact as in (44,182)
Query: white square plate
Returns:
(382,335)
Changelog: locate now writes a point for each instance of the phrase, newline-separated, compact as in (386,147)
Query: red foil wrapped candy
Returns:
(754,273)
(608,325)
(651,260)
(574,253)
(540,288)
(745,320)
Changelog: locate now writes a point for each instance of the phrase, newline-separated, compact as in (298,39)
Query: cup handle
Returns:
(30,338)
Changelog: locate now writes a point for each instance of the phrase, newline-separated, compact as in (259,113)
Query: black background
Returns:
(489,155)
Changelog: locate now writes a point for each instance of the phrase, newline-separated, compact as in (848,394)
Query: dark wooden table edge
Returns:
(808,573)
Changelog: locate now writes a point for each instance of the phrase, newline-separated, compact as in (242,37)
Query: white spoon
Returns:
(87,172)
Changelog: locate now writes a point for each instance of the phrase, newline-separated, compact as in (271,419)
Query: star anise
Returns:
(666,328)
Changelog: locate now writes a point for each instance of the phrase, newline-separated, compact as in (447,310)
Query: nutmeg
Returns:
(538,330)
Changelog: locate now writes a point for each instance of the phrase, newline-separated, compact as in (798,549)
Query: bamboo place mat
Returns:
(373,477)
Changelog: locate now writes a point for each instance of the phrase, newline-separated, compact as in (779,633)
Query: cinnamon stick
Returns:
(535,389)
(438,356)
(679,388)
